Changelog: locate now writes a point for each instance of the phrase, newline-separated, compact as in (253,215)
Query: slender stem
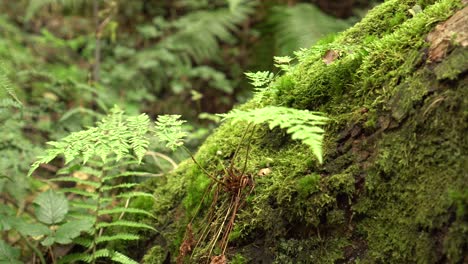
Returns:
(168,159)
(97,50)
(35,249)
(97,233)
(231,166)
(51,252)
(247,152)
(203,169)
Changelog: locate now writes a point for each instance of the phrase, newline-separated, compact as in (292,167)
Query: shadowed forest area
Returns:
(233,131)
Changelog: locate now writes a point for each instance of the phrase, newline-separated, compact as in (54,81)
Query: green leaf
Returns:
(121,258)
(8,254)
(118,210)
(260,78)
(121,236)
(303,125)
(70,230)
(52,207)
(34,230)
(168,129)
(126,224)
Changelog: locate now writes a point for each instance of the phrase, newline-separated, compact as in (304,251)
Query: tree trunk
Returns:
(393,186)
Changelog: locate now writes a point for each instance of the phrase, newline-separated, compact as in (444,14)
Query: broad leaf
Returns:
(33,230)
(52,207)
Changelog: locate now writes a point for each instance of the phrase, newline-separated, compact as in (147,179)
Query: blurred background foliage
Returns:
(65,63)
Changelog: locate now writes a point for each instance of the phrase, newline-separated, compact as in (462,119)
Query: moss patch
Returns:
(392,186)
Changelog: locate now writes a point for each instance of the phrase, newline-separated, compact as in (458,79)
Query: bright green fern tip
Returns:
(169,130)
(260,78)
(303,125)
(116,137)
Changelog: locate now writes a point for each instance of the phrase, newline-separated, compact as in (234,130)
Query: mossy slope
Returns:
(393,187)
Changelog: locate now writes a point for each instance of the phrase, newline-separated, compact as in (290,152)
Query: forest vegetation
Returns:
(233,131)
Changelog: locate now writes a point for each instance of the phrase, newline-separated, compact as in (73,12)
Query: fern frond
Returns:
(78,204)
(135,194)
(126,224)
(121,258)
(300,26)
(260,78)
(119,210)
(85,257)
(168,129)
(126,174)
(199,32)
(83,241)
(5,84)
(120,236)
(301,124)
(75,257)
(119,186)
(35,5)
(116,135)
(79,192)
(138,126)
(76,180)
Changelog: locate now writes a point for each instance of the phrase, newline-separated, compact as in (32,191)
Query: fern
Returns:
(6,85)
(168,129)
(116,135)
(104,150)
(303,125)
(260,78)
(300,26)
(35,5)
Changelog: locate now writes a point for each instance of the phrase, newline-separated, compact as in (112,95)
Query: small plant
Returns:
(230,191)
(303,125)
(103,151)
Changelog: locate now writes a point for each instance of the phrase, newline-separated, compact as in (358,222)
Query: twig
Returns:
(35,249)
(160,155)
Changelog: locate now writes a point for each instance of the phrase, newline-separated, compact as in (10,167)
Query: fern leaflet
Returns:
(301,124)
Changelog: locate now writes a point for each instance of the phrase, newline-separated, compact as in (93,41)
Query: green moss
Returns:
(393,179)
(299,251)
(452,66)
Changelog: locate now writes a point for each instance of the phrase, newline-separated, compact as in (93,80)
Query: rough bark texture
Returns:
(393,187)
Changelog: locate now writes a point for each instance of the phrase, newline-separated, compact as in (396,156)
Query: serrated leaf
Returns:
(168,129)
(126,224)
(121,258)
(301,124)
(119,210)
(52,207)
(121,236)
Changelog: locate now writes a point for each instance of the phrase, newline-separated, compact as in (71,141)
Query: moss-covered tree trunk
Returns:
(393,185)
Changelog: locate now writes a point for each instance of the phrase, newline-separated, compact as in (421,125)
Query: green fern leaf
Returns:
(119,186)
(126,174)
(119,210)
(260,78)
(76,180)
(129,195)
(116,135)
(121,258)
(120,236)
(168,129)
(126,224)
(80,192)
(83,241)
(303,125)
